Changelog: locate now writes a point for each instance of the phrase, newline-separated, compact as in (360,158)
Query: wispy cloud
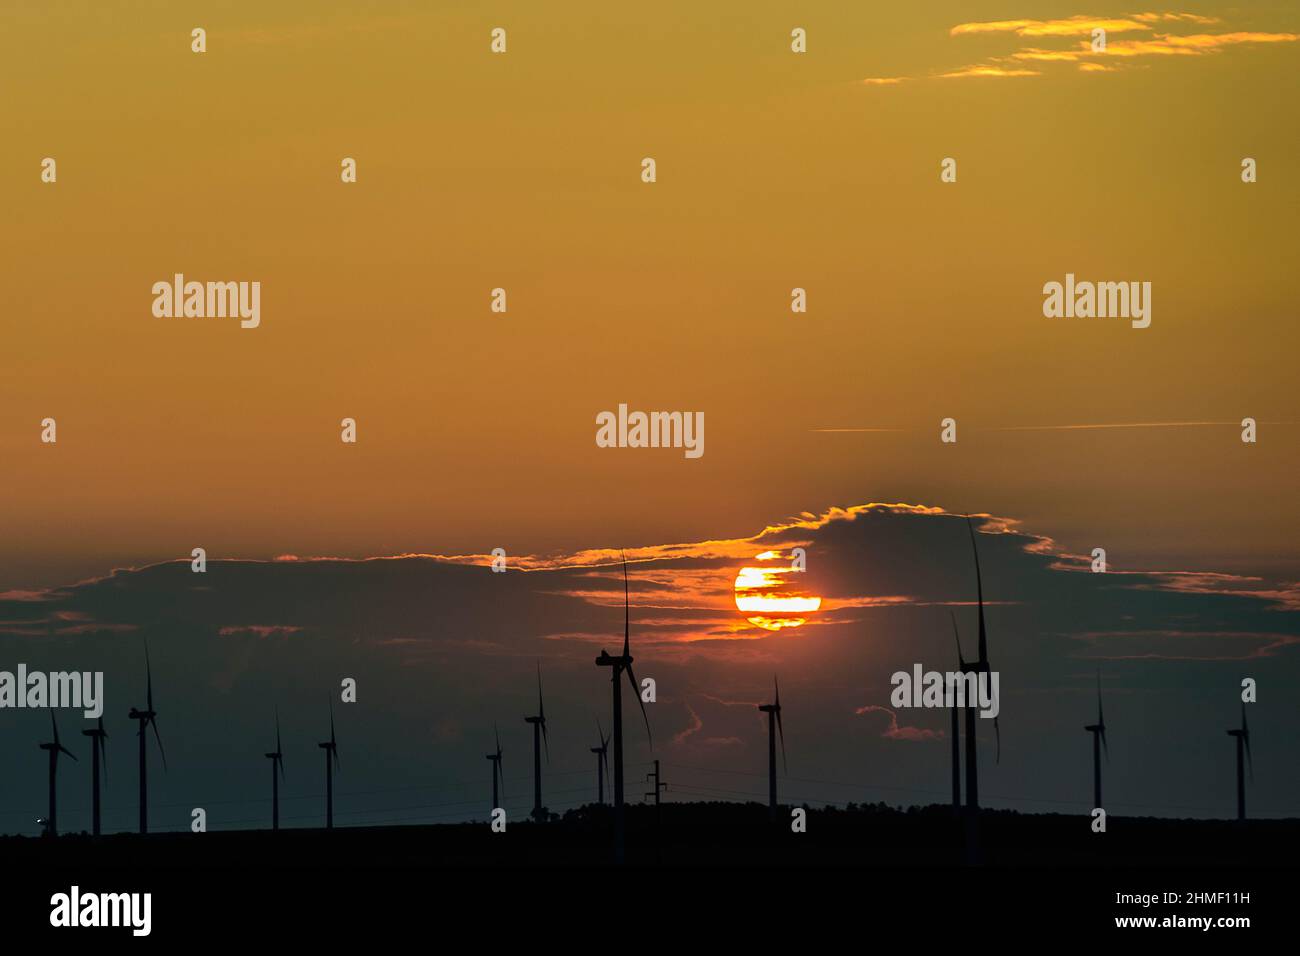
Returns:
(1082,54)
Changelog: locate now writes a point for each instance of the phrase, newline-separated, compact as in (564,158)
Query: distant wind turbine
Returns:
(539,736)
(496,771)
(147,718)
(1098,731)
(774,726)
(277,763)
(1243,742)
(602,763)
(55,748)
(980,666)
(618,665)
(97,747)
(331,748)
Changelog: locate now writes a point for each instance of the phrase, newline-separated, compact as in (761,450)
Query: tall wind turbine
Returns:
(602,763)
(618,665)
(980,666)
(954,731)
(277,763)
(331,748)
(1098,731)
(1243,742)
(55,748)
(773,712)
(97,747)
(147,717)
(539,736)
(496,771)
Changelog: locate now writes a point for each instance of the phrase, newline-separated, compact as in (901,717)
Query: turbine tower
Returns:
(496,771)
(602,763)
(97,747)
(980,666)
(1098,731)
(539,736)
(277,763)
(955,731)
(147,717)
(774,726)
(618,665)
(55,748)
(1243,743)
(331,748)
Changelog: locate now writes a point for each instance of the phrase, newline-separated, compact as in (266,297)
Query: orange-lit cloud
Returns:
(897,731)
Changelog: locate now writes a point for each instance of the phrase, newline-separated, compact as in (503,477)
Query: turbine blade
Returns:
(956,636)
(627,620)
(1103,744)
(1100,720)
(979,590)
(497,733)
(776,684)
(157,736)
(541,707)
(997,735)
(781,733)
(278,748)
(637,691)
(280,761)
(67,751)
(546,743)
(56,730)
(148,679)
(103,749)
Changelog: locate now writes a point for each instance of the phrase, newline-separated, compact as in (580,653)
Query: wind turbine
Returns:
(539,735)
(331,748)
(147,717)
(97,746)
(1243,742)
(55,748)
(980,666)
(954,732)
(277,763)
(618,665)
(602,763)
(496,771)
(1098,731)
(773,712)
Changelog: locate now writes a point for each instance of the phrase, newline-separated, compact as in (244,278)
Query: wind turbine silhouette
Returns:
(539,735)
(55,748)
(331,748)
(1098,731)
(277,763)
(618,665)
(1243,741)
(954,732)
(147,717)
(602,763)
(773,712)
(980,666)
(97,746)
(496,771)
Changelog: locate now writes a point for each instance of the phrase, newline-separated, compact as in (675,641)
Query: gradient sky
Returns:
(522,171)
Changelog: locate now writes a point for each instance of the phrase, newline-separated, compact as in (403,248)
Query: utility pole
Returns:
(659,787)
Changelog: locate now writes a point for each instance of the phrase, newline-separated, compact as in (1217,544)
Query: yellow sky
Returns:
(775,170)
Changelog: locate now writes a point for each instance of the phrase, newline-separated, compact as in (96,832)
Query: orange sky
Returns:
(774,170)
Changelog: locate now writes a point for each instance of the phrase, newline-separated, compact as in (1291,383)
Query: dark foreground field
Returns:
(697,872)
(701,835)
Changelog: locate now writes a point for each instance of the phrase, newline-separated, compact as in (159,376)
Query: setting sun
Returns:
(767,594)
